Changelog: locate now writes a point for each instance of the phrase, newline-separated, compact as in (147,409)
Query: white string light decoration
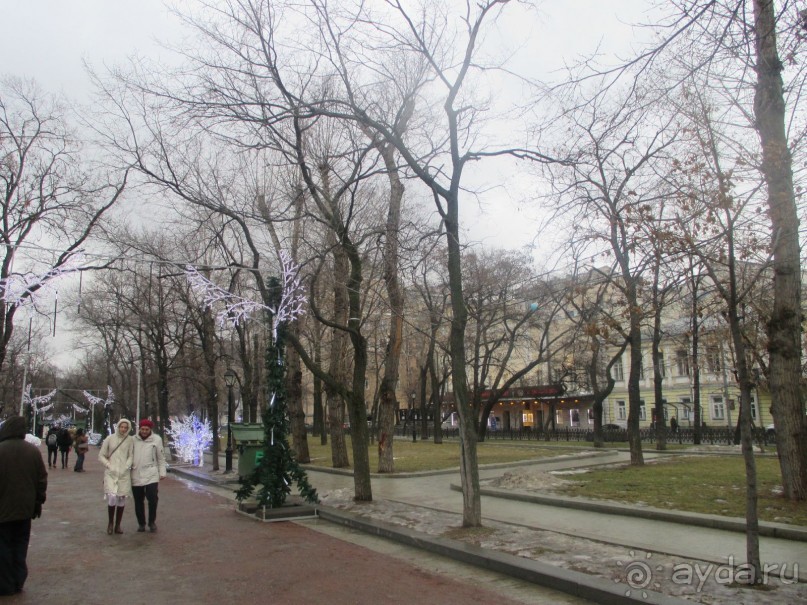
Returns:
(39,405)
(26,289)
(237,309)
(191,437)
(110,399)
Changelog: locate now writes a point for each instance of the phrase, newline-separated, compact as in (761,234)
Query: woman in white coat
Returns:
(117,453)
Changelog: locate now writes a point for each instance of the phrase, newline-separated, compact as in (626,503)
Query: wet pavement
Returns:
(205,552)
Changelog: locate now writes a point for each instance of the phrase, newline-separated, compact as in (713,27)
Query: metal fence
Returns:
(709,435)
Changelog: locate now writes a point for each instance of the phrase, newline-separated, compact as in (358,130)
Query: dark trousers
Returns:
(65,455)
(149,493)
(14,536)
(52,451)
(79,461)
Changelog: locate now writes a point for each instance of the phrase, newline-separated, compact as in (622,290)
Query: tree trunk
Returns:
(338,361)
(319,410)
(388,404)
(634,393)
(784,328)
(696,367)
(469,467)
(661,426)
(434,380)
(357,406)
(294,391)
(746,430)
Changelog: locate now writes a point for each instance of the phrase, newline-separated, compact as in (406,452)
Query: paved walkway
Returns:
(683,540)
(689,541)
(204,553)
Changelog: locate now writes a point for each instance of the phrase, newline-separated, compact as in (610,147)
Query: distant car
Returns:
(770,431)
(612,427)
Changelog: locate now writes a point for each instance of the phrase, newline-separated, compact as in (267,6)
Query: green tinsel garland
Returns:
(278,467)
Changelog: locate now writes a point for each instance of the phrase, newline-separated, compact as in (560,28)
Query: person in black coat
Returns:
(64,440)
(23,485)
(51,442)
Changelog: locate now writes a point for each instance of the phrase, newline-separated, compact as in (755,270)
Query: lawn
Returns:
(426,455)
(703,484)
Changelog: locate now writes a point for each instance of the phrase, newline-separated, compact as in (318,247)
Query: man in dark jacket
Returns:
(23,483)
(51,441)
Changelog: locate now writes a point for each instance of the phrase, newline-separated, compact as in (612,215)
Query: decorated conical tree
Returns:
(278,468)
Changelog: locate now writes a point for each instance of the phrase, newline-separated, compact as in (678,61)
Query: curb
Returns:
(770,530)
(567,581)
(482,467)
(571,582)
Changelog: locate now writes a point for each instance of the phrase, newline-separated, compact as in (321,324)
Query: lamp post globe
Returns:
(229,380)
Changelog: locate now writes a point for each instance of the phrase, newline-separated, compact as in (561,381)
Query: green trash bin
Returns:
(248,439)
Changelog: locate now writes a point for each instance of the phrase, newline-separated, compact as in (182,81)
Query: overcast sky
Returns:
(49,41)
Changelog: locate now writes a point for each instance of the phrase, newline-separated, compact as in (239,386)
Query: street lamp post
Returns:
(412,416)
(229,380)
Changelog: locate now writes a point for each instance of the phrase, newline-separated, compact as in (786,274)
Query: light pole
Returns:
(412,416)
(229,380)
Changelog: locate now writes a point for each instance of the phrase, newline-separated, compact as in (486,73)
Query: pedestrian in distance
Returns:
(116,457)
(148,469)
(23,486)
(82,443)
(64,440)
(52,445)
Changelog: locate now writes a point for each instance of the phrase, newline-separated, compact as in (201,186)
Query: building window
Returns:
(618,371)
(621,411)
(713,360)
(642,411)
(661,368)
(686,408)
(718,408)
(682,362)
(754,409)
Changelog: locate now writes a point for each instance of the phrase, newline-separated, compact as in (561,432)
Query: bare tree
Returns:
(50,193)
(609,192)
(718,224)
(742,45)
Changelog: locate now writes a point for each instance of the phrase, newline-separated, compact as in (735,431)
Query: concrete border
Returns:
(482,467)
(770,530)
(598,590)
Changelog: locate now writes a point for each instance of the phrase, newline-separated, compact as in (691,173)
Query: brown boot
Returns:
(118,517)
(111,512)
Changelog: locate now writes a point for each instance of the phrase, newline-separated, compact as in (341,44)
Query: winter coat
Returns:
(149,460)
(118,463)
(23,478)
(52,431)
(64,440)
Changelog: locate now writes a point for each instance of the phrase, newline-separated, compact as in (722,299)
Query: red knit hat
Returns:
(146,422)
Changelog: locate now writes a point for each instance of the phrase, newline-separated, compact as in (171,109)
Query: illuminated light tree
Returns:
(278,468)
(190,437)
